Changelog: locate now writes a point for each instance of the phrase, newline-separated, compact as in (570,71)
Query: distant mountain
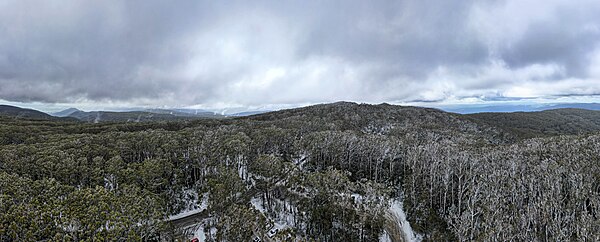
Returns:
(24,113)
(504,108)
(469,109)
(384,119)
(66,112)
(493,126)
(588,106)
(136,116)
(564,121)
(185,112)
(248,113)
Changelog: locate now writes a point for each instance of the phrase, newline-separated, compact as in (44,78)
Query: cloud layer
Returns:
(216,53)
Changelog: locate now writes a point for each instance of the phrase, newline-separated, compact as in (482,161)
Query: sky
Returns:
(277,53)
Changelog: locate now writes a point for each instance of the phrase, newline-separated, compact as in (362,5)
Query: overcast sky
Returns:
(268,53)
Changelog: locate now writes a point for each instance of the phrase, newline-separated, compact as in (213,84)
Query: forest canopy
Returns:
(325,172)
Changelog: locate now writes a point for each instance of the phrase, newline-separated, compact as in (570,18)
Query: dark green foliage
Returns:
(137,116)
(330,169)
(568,121)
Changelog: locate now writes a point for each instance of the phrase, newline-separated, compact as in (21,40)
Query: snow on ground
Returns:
(185,213)
(286,215)
(204,203)
(279,226)
(188,198)
(385,237)
(257,203)
(200,233)
(281,212)
(300,161)
(213,232)
(195,231)
(243,173)
(197,209)
(398,212)
(357,197)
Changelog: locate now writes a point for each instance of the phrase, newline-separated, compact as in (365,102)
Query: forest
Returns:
(320,173)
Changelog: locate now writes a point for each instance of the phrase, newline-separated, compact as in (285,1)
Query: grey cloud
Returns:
(91,51)
(415,36)
(566,39)
(275,52)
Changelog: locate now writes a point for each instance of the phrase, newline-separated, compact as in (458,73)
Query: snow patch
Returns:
(188,212)
(357,197)
(257,203)
(185,214)
(398,212)
(280,212)
(200,234)
(385,237)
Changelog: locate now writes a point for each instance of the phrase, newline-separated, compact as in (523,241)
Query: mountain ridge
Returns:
(563,121)
(26,113)
(349,115)
(65,113)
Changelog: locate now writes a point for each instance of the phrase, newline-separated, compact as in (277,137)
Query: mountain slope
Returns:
(135,116)
(502,127)
(24,113)
(386,119)
(331,172)
(194,113)
(247,113)
(567,121)
(66,112)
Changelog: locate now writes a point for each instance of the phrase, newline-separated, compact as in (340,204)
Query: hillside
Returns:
(385,119)
(24,113)
(193,113)
(137,116)
(331,172)
(568,121)
(509,108)
(66,112)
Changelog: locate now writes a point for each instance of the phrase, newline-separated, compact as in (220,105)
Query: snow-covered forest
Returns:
(333,172)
